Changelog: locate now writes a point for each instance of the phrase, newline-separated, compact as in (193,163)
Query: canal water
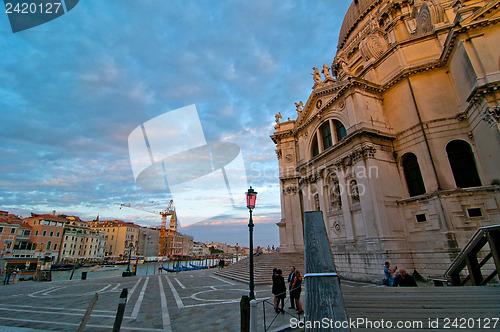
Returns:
(148,268)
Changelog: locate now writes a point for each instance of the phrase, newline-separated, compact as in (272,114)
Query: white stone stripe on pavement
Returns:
(176,295)
(164,308)
(137,305)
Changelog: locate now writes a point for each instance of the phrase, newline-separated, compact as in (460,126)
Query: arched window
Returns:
(326,135)
(463,164)
(339,130)
(413,176)
(315,146)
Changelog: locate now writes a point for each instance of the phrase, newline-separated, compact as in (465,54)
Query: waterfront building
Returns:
(81,242)
(117,233)
(46,235)
(178,244)
(22,245)
(148,243)
(230,250)
(187,245)
(244,251)
(8,233)
(398,145)
(218,245)
(200,249)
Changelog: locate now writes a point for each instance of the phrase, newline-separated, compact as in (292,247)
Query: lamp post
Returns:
(129,246)
(251,198)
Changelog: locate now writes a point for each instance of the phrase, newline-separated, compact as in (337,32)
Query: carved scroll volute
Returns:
(430,13)
(373,46)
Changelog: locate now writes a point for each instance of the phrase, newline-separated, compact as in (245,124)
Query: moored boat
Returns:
(104,268)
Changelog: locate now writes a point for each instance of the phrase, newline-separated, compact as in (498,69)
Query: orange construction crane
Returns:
(163,230)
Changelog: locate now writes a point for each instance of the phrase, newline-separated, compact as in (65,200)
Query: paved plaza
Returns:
(186,301)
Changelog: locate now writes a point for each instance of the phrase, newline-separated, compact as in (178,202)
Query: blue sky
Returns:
(73,89)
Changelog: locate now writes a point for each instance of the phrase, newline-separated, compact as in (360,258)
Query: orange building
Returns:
(8,232)
(46,234)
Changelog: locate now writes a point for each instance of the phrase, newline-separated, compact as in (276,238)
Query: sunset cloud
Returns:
(73,90)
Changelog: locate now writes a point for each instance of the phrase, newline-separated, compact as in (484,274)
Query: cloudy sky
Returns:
(73,90)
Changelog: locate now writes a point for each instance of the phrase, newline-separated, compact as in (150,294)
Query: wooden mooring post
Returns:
(86,317)
(323,294)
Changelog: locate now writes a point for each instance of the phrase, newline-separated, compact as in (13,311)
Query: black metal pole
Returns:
(129,254)
(121,310)
(252,285)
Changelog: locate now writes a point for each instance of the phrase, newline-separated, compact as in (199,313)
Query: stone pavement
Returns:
(185,301)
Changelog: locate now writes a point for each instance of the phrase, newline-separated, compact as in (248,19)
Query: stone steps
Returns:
(422,308)
(263,267)
(423,305)
(471,305)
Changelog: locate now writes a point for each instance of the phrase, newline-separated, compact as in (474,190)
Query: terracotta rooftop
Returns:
(46,216)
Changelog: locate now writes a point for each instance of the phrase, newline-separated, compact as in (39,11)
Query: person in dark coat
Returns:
(274,287)
(280,288)
(8,271)
(404,279)
(291,277)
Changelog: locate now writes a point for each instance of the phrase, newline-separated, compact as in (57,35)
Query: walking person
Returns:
(291,276)
(280,292)
(296,289)
(8,271)
(389,278)
(15,272)
(221,263)
(274,291)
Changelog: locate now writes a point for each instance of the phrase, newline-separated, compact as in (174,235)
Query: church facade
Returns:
(398,144)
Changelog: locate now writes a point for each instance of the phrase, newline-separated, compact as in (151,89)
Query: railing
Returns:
(272,320)
(469,258)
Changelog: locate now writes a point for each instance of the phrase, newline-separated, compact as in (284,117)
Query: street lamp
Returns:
(129,246)
(251,197)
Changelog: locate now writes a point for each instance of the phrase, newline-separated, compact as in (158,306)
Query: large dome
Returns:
(357,10)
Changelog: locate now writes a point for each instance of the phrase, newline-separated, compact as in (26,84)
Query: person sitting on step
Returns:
(404,279)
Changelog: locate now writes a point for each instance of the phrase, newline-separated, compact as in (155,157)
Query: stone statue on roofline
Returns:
(326,71)
(316,75)
(340,67)
(278,117)
(300,106)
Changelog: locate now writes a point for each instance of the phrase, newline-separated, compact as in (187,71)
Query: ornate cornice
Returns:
(479,91)
(363,152)
(282,134)
(349,138)
(339,90)
(290,190)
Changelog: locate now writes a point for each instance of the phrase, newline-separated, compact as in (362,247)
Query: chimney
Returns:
(53,212)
